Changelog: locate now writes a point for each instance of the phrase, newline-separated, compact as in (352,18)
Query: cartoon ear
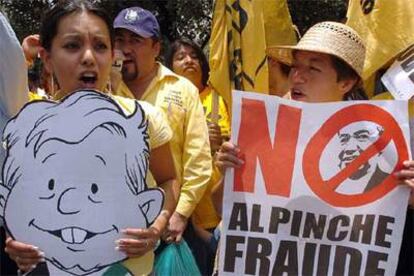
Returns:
(150,203)
(4,193)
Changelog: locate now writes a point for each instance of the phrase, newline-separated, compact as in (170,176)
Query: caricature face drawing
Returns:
(353,142)
(77,193)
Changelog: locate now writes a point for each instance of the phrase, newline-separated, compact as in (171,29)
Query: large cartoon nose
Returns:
(68,203)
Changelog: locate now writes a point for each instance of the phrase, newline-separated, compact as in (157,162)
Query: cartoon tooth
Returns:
(79,235)
(67,235)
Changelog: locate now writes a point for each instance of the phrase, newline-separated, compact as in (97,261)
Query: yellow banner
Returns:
(386,26)
(241,31)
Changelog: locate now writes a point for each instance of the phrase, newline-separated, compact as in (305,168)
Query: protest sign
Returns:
(399,78)
(316,194)
(74,178)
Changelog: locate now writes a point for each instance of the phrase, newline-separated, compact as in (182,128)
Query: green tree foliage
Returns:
(25,15)
(306,13)
(177,18)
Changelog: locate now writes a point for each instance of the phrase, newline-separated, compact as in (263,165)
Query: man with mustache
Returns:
(137,35)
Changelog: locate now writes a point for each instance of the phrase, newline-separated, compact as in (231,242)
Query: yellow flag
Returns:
(278,23)
(241,31)
(386,26)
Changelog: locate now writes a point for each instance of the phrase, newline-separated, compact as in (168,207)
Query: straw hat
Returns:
(330,38)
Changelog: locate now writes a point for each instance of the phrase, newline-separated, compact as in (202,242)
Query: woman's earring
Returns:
(52,92)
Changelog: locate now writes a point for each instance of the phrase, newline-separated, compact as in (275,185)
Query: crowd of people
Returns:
(189,124)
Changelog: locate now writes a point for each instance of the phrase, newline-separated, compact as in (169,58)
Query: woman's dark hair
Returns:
(52,18)
(345,72)
(175,46)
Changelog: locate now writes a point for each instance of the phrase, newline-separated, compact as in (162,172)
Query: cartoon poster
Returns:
(316,194)
(74,177)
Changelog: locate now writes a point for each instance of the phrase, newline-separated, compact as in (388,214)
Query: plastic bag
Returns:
(176,259)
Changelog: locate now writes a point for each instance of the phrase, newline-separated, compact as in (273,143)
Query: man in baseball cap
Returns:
(138,21)
(137,35)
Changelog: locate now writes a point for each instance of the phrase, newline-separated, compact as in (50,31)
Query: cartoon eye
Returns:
(51,187)
(51,184)
(94,188)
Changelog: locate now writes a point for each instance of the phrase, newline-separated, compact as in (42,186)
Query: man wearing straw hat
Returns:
(327,46)
(326,66)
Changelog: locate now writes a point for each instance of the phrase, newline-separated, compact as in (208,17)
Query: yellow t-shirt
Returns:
(158,128)
(207,99)
(33,97)
(205,214)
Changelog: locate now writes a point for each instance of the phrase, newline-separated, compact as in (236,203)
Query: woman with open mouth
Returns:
(77,50)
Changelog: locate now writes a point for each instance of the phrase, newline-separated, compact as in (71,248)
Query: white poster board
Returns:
(316,194)
(74,178)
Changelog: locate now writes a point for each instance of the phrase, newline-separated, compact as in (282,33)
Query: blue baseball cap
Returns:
(139,21)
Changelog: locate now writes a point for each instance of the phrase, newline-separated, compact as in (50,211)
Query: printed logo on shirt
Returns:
(174,97)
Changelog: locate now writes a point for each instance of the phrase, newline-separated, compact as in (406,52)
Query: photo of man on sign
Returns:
(353,141)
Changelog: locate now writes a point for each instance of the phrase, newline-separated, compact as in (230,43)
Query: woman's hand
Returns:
(406,177)
(138,242)
(26,256)
(228,157)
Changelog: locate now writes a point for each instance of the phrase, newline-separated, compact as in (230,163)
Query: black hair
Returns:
(52,18)
(346,72)
(205,69)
